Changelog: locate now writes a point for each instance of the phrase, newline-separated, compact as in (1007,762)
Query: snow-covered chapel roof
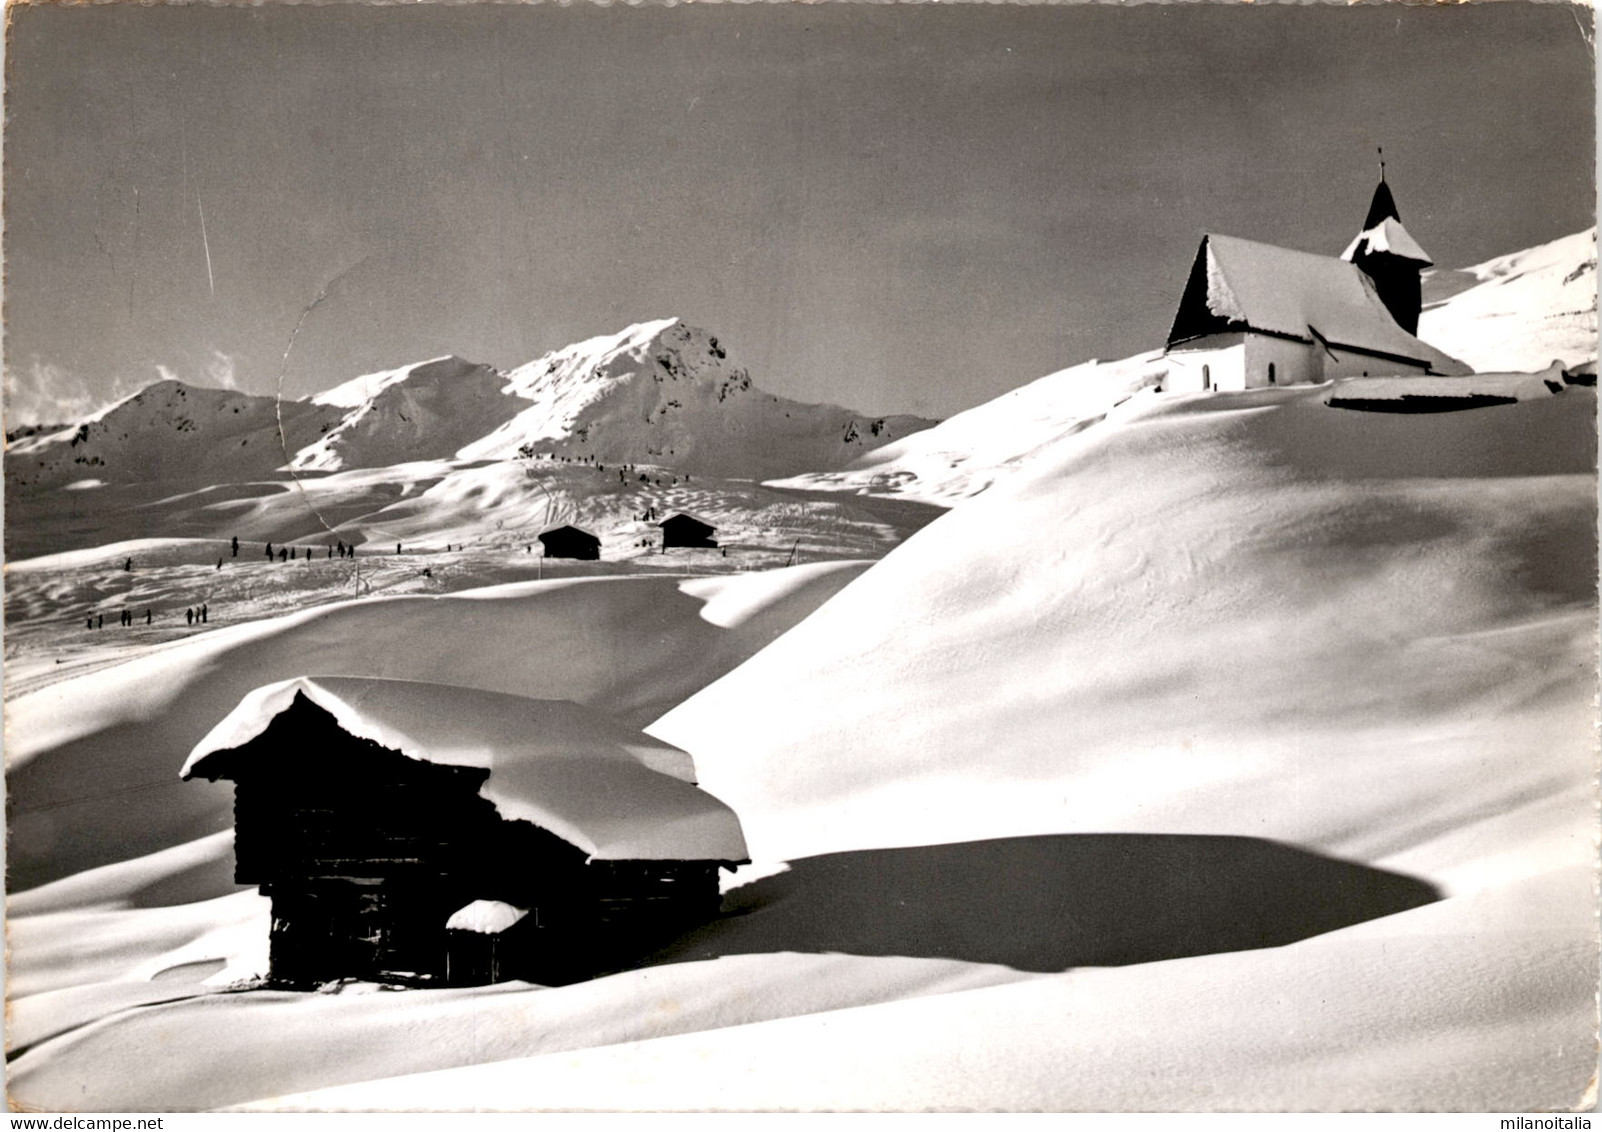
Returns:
(613,792)
(1390,237)
(1238,284)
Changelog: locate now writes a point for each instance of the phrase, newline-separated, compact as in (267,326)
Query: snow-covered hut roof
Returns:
(487,917)
(678,515)
(1238,284)
(613,792)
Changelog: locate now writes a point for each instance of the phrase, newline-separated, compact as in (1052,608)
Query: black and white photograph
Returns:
(890,557)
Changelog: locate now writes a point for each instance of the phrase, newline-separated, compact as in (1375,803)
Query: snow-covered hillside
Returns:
(964,455)
(1165,604)
(666,393)
(1218,661)
(1520,311)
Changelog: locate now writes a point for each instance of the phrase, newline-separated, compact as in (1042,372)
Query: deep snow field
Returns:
(459,527)
(1224,751)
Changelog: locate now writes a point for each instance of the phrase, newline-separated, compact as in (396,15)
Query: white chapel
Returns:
(1255,315)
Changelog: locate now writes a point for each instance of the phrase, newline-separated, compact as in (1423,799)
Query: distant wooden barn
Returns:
(428,834)
(570,542)
(686,530)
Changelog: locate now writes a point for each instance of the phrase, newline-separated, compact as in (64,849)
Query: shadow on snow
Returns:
(1050,903)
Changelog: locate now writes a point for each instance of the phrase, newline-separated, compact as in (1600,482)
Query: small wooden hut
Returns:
(484,941)
(686,530)
(428,834)
(570,542)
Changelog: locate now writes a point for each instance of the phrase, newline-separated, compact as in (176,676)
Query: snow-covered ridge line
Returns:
(358,390)
(1524,311)
(964,455)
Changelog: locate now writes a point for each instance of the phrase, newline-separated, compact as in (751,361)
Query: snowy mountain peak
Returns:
(171,431)
(666,349)
(637,336)
(667,393)
(166,394)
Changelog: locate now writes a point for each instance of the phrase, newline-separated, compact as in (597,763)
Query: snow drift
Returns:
(1250,613)
(1397,1015)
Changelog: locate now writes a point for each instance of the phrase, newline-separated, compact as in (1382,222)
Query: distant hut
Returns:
(686,530)
(570,542)
(434,835)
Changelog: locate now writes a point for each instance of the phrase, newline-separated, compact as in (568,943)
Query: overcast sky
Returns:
(895,208)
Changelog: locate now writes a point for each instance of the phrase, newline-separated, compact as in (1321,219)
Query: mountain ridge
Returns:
(660,393)
(170,430)
(1518,311)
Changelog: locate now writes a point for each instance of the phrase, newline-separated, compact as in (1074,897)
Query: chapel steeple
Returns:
(1390,257)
